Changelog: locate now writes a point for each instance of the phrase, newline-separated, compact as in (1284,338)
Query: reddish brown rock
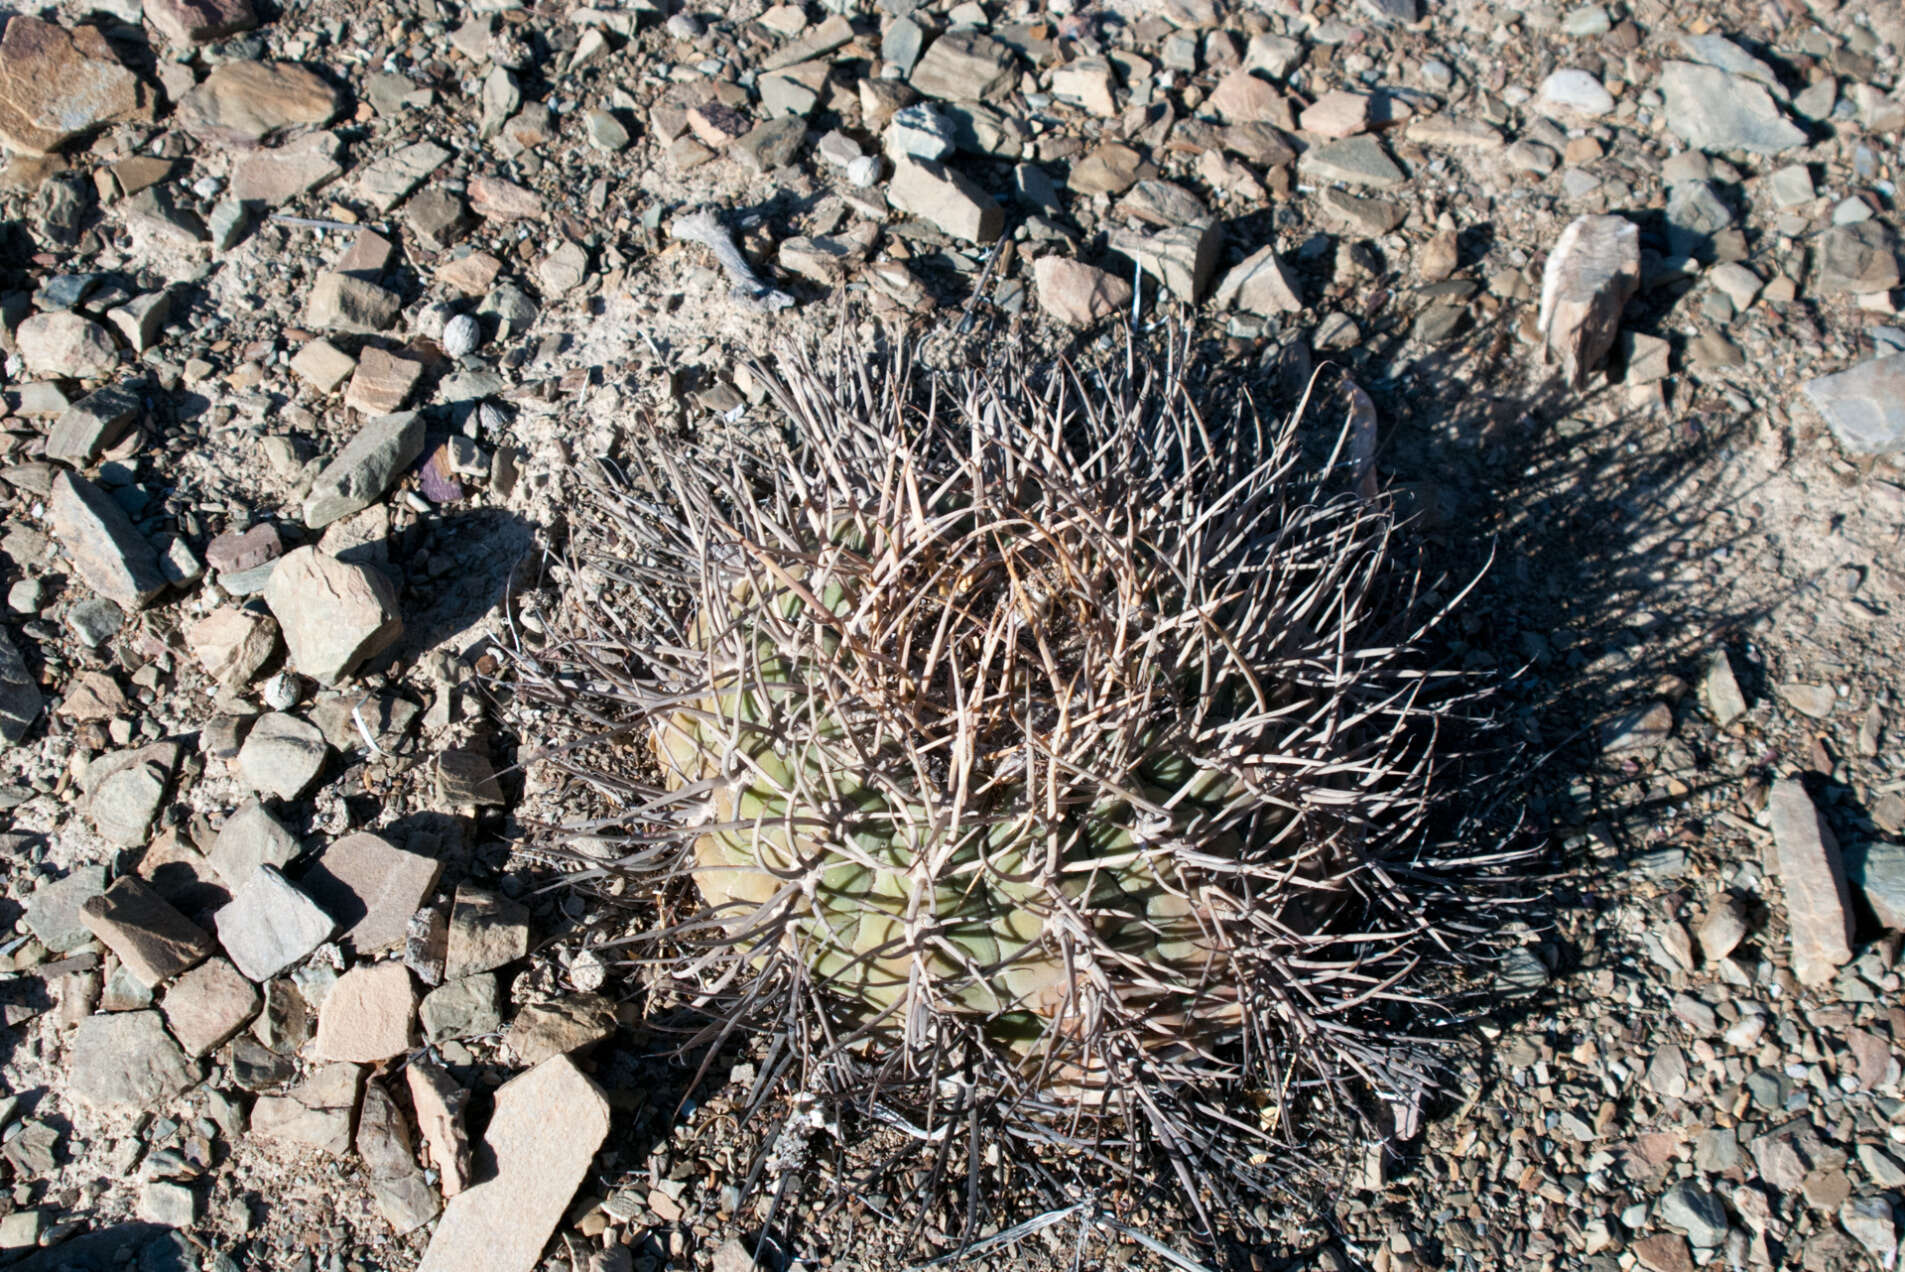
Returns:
(189,22)
(249,101)
(56,85)
(154,941)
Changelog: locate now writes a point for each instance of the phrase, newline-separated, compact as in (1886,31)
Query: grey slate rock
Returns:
(1877,870)
(1696,1212)
(1864,406)
(112,557)
(20,697)
(1712,110)
(93,424)
(53,912)
(367,466)
(270,925)
(127,1060)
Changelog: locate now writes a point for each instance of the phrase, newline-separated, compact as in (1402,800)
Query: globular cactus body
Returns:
(1033,728)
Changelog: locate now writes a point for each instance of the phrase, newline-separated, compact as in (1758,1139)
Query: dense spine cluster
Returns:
(1051,763)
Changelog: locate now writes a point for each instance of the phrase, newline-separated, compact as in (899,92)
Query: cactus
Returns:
(1044,757)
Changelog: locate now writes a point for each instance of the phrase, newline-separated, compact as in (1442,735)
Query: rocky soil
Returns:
(314,317)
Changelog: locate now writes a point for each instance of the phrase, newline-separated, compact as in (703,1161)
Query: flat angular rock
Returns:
(1877,870)
(382,382)
(1183,258)
(1260,284)
(249,101)
(207,1005)
(282,755)
(465,1008)
(769,145)
(334,614)
(279,175)
(946,197)
(560,1027)
(487,931)
(93,424)
(367,467)
(371,887)
(386,182)
(57,85)
(1856,259)
(232,644)
(368,1014)
(1591,273)
(316,1113)
(126,1060)
(191,22)
(342,302)
(1864,406)
(153,941)
(126,789)
(270,925)
(1243,98)
(1358,161)
(1572,91)
(53,911)
(323,365)
(963,65)
(20,696)
(543,1136)
(1720,690)
(250,838)
(1073,292)
(495,199)
(66,345)
(1818,903)
(1710,109)
(396,1183)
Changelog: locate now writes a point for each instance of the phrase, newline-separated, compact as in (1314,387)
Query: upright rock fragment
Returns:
(1591,273)
(1818,903)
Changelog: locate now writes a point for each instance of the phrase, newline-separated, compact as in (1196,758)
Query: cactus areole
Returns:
(1046,757)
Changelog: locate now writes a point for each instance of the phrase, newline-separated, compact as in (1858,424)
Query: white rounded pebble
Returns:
(461,335)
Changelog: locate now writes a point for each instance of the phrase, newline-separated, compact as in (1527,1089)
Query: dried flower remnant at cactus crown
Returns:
(1030,727)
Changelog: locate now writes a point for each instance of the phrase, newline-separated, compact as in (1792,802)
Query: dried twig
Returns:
(706,229)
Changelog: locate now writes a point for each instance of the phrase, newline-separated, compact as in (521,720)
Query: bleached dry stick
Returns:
(749,288)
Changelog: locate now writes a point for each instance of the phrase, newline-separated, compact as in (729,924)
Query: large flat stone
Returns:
(251,837)
(543,1136)
(1818,903)
(249,101)
(58,85)
(270,925)
(1864,406)
(368,1015)
(367,466)
(371,887)
(53,911)
(153,941)
(1710,109)
(126,1060)
(207,1005)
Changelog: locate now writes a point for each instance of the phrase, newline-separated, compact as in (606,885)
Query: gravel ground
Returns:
(314,317)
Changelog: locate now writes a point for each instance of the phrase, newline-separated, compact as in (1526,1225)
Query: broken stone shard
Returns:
(1591,273)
